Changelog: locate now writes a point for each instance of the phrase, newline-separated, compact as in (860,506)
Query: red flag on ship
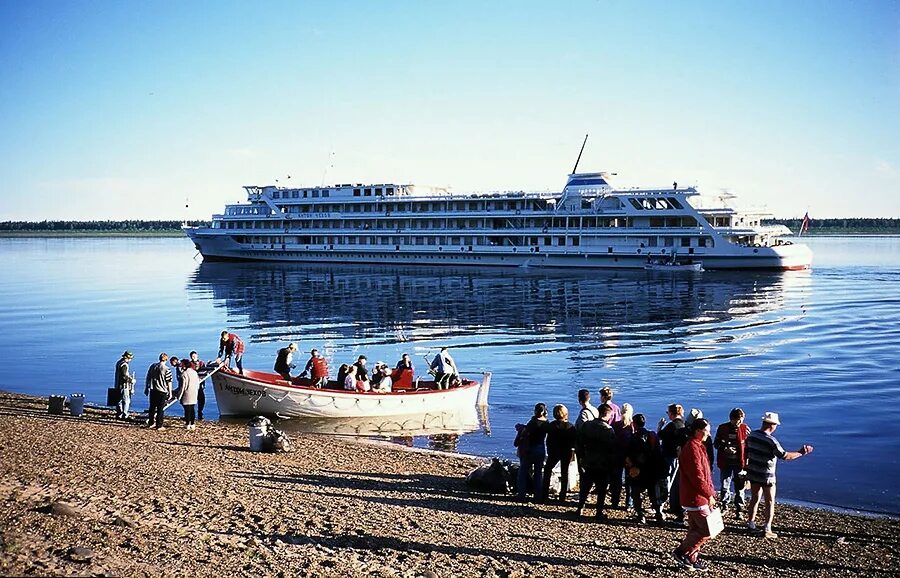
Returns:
(804,224)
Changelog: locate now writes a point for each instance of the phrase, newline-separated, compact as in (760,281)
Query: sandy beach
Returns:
(94,496)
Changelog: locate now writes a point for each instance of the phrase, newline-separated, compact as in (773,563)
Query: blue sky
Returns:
(130,109)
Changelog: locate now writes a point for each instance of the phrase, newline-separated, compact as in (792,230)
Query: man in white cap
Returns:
(763,453)
(284,361)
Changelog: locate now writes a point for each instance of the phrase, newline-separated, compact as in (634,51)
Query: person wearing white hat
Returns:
(763,453)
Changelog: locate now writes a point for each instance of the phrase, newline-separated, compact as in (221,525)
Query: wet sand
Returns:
(95,496)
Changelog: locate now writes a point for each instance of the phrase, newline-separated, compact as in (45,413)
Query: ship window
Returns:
(378,191)
(669,241)
(685,241)
(547,241)
(367,192)
(315,194)
(390,190)
(325,193)
(276,195)
(636,204)
(355,192)
(675,204)
(576,241)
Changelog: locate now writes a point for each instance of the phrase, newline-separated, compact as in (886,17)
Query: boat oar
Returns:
(207,376)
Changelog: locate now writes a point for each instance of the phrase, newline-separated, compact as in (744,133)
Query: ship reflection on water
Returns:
(365,300)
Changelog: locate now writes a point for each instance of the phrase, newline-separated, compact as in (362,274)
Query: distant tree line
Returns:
(96,226)
(838,226)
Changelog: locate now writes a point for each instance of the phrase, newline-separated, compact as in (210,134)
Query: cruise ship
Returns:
(589,223)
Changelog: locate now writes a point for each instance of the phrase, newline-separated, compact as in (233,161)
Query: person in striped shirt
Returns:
(763,453)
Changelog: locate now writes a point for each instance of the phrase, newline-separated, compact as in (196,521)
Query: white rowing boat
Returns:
(262,393)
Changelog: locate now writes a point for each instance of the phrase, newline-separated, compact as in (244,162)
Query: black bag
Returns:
(113,396)
(493,477)
(275,441)
(523,440)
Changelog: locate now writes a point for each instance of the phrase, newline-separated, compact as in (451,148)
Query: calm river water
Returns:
(820,347)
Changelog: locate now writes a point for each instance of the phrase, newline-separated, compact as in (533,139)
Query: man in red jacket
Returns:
(731,443)
(697,495)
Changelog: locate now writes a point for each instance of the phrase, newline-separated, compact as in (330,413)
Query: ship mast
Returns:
(578,160)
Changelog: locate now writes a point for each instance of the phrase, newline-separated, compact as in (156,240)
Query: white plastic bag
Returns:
(556,477)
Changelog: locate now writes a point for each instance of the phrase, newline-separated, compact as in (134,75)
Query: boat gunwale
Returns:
(227,374)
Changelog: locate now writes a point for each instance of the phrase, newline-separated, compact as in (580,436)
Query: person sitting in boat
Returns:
(231,346)
(284,362)
(342,375)
(405,362)
(350,378)
(317,369)
(444,369)
(361,373)
(378,373)
(385,383)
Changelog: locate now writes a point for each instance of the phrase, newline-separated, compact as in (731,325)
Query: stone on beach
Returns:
(63,509)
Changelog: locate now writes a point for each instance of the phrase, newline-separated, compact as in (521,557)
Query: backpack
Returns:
(523,439)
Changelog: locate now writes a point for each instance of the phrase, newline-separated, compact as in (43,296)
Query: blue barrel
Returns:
(76,404)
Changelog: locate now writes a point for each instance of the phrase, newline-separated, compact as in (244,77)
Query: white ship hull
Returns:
(256,394)
(217,247)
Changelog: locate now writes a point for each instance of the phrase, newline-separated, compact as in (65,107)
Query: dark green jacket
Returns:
(597,442)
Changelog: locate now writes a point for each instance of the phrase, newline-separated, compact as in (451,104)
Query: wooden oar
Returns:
(207,376)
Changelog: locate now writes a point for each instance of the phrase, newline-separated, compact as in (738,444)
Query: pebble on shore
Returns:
(93,495)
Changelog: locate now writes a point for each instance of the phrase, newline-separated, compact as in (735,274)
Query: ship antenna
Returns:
(328,164)
(578,160)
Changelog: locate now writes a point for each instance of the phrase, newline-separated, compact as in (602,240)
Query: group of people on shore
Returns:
(172,378)
(617,455)
(167,380)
